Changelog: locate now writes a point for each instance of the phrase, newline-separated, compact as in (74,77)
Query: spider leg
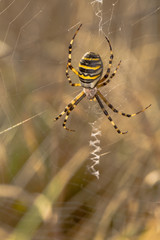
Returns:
(109,118)
(110,62)
(106,82)
(69,79)
(69,108)
(69,65)
(65,120)
(116,111)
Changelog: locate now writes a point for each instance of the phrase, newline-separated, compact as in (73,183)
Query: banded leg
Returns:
(70,107)
(109,118)
(69,79)
(65,120)
(116,111)
(108,81)
(110,62)
(61,114)
(69,65)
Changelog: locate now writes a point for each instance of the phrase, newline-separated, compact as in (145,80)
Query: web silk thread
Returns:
(97,4)
(95,154)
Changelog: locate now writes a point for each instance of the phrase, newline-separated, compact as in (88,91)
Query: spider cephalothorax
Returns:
(90,72)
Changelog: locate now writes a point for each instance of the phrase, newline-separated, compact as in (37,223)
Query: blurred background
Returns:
(50,187)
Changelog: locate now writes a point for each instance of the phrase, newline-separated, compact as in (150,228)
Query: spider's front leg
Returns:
(116,111)
(69,108)
(109,118)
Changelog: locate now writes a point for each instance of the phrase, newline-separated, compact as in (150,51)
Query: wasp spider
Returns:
(90,72)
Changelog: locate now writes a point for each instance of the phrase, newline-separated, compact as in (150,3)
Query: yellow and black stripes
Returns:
(89,73)
(110,62)
(69,108)
(90,69)
(116,111)
(69,65)
(69,79)
(109,118)
(108,81)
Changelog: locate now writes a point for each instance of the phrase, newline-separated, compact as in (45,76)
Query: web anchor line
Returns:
(22,122)
(95,154)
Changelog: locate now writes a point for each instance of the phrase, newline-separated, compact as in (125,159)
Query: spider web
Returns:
(48,188)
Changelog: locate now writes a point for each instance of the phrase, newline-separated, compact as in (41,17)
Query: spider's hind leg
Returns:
(103,83)
(110,62)
(69,65)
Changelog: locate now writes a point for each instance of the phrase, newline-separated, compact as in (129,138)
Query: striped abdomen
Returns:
(90,70)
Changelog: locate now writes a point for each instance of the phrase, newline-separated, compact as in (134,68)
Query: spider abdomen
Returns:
(90,69)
